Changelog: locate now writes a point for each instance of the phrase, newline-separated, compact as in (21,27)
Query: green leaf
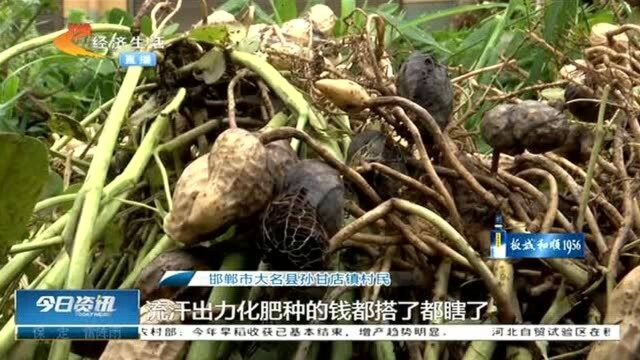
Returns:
(419,38)
(80,79)
(113,238)
(346,8)
(249,44)
(489,53)
(53,187)
(604,15)
(119,16)
(211,66)
(212,34)
(383,350)
(450,12)
(284,9)
(9,88)
(9,92)
(154,178)
(72,188)
(23,173)
(471,47)
(223,35)
(105,67)
(65,125)
(262,15)
(145,25)
(558,17)
(76,16)
(170,29)
(540,70)
(233,6)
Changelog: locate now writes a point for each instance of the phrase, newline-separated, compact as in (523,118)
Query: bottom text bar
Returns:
(380,332)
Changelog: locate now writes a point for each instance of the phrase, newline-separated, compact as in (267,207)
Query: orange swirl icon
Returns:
(66,41)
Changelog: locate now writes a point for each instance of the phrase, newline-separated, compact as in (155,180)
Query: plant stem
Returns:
(187,137)
(16,265)
(501,297)
(230,295)
(597,144)
(290,95)
(384,350)
(92,188)
(150,241)
(76,162)
(480,349)
(278,120)
(562,304)
(165,179)
(96,269)
(343,350)
(139,205)
(108,272)
(18,248)
(58,144)
(165,243)
(163,23)
(53,280)
(35,43)
(570,271)
(140,159)
(126,180)
(53,201)
(287,92)
(116,272)
(432,348)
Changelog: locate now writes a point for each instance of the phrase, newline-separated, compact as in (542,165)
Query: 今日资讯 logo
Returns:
(99,305)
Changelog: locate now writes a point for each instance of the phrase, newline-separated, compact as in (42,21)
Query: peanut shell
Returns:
(182,223)
(297,224)
(218,17)
(530,124)
(598,36)
(623,309)
(297,31)
(345,94)
(322,18)
(423,80)
(239,181)
(283,55)
(238,185)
